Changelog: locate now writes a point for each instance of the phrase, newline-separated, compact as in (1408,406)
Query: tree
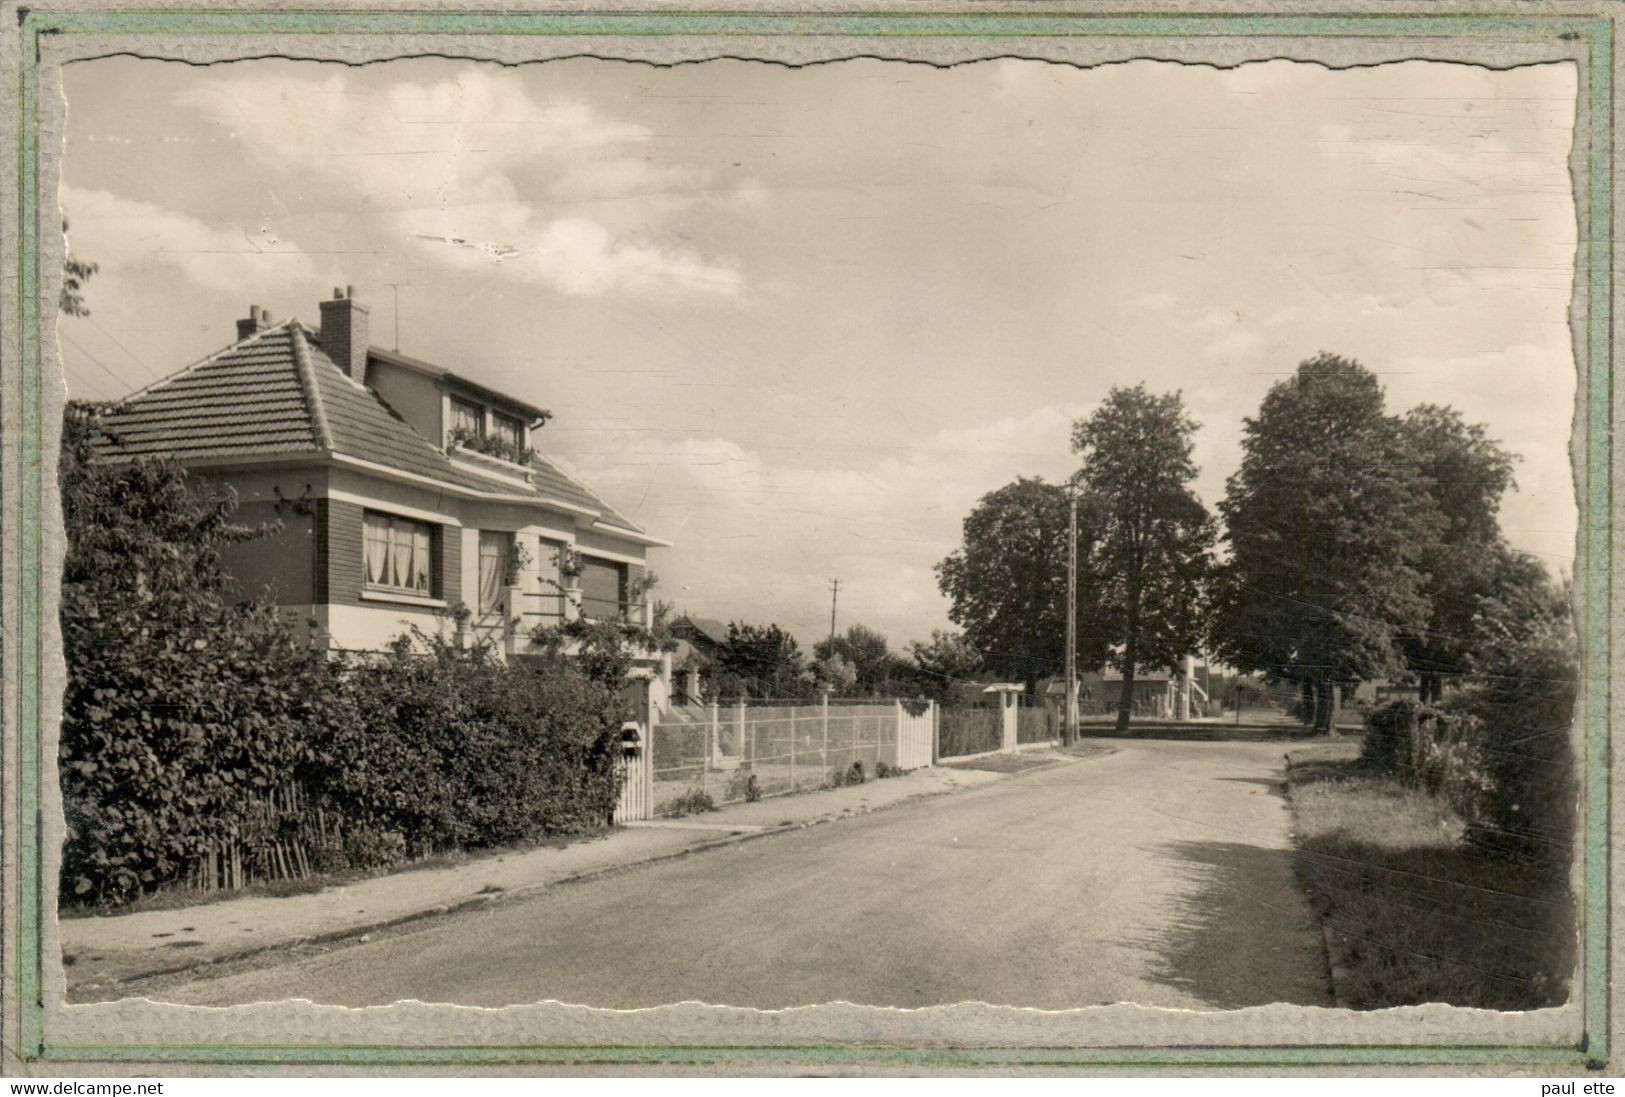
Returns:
(836,674)
(1328,520)
(944,662)
(1465,474)
(1153,545)
(1006,583)
(75,273)
(178,697)
(868,653)
(766,660)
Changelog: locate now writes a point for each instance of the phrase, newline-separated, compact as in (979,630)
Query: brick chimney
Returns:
(258,320)
(344,332)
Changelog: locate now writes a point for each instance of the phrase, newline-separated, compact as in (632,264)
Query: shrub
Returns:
(884,769)
(692,802)
(743,785)
(856,775)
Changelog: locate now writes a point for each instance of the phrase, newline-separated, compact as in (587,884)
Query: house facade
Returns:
(403,490)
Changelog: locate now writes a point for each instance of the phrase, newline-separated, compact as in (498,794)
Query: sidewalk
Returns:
(102,951)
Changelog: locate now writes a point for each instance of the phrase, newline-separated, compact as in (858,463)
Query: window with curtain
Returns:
(508,429)
(397,554)
(467,417)
(495,550)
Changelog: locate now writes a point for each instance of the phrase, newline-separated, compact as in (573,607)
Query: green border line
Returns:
(1594,570)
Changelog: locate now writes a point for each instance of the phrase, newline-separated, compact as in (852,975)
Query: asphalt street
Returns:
(1158,874)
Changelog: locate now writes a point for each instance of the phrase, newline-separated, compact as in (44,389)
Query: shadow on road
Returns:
(1240,934)
(1207,733)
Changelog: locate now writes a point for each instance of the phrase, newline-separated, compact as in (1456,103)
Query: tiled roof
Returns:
(247,399)
(278,392)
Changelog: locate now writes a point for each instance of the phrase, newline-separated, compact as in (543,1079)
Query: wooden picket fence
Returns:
(272,851)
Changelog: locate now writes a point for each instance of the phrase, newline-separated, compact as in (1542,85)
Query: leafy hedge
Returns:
(1499,752)
(454,749)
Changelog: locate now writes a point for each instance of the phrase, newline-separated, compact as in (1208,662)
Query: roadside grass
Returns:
(1414,913)
(179,898)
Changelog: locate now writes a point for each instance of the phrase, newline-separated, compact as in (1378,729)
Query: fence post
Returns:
(792,748)
(936,732)
(713,719)
(705,758)
(824,719)
(739,723)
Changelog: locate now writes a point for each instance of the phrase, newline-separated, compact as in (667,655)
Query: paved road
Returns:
(1158,874)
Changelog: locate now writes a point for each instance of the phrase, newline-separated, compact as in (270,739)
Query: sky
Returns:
(798,321)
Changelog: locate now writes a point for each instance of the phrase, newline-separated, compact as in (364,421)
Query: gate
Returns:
(636,800)
(915,735)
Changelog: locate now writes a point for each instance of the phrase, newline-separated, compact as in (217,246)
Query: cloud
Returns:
(557,191)
(126,237)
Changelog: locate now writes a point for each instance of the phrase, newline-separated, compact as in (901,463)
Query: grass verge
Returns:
(1414,914)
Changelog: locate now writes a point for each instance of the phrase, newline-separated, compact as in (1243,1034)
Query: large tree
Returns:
(1154,544)
(1465,473)
(1006,584)
(1328,521)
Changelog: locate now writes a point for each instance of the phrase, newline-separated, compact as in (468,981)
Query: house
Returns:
(699,645)
(403,489)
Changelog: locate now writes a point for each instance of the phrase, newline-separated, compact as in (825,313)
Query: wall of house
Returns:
(369,627)
(280,566)
(415,396)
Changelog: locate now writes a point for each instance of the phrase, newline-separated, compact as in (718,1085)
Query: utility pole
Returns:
(1071,733)
(834,594)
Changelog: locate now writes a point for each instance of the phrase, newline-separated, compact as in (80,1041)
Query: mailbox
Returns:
(630,739)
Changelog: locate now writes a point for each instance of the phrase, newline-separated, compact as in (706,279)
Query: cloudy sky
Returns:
(798,321)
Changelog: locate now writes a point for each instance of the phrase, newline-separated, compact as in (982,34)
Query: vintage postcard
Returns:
(875,539)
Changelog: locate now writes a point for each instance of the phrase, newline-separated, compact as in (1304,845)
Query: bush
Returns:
(743,786)
(692,802)
(454,749)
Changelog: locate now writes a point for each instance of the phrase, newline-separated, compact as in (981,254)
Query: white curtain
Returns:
(377,549)
(493,555)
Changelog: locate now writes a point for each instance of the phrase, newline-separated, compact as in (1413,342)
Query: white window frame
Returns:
(419,537)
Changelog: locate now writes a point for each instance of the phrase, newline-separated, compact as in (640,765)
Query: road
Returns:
(1158,874)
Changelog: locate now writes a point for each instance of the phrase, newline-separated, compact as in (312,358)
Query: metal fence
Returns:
(727,755)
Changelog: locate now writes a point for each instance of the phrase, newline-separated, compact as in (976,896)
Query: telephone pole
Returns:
(834,594)
(1070,735)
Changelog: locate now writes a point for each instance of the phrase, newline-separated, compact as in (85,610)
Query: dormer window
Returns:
(467,419)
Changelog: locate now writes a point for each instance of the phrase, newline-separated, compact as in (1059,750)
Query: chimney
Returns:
(258,320)
(344,332)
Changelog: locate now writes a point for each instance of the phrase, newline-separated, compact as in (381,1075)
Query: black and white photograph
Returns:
(867,532)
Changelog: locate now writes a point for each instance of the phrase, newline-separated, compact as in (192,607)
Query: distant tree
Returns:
(836,674)
(868,653)
(75,273)
(1328,520)
(943,663)
(766,660)
(1465,474)
(1152,550)
(1006,583)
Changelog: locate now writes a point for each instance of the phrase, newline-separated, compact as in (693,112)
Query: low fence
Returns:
(969,731)
(734,754)
(1041,724)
